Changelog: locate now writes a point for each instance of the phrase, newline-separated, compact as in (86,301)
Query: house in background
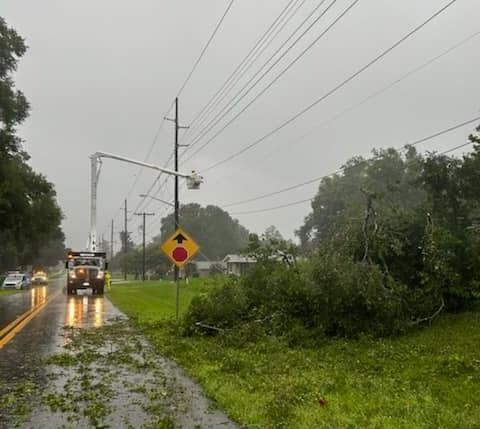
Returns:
(209,268)
(238,265)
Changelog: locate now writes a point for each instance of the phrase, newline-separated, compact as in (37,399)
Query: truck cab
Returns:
(86,270)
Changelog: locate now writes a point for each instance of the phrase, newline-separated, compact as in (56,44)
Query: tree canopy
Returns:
(217,233)
(29,214)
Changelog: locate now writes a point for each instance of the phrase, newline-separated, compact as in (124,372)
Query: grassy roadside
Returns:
(426,379)
(9,291)
(151,301)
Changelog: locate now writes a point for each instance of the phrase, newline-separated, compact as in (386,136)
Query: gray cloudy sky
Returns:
(100,75)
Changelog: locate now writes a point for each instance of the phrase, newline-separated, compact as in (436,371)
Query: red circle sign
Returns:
(179,254)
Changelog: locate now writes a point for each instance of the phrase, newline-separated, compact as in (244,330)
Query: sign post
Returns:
(180,248)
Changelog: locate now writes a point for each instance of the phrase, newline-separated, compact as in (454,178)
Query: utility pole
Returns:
(177,200)
(111,242)
(125,243)
(144,214)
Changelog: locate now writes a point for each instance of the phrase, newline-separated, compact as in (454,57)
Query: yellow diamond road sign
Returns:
(180,247)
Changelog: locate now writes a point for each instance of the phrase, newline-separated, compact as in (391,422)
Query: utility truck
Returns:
(86,270)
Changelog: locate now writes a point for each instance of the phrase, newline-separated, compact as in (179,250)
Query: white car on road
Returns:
(16,281)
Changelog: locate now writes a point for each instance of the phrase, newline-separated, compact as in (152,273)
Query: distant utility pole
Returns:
(125,244)
(177,201)
(144,214)
(111,242)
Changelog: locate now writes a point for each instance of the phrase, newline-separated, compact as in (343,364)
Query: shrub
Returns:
(352,298)
(224,307)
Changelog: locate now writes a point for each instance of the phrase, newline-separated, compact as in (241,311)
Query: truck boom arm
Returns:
(193,182)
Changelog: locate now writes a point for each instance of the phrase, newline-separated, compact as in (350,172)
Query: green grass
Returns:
(429,378)
(151,301)
(8,291)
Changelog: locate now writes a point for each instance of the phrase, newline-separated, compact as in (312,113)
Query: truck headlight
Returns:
(100,275)
(72,275)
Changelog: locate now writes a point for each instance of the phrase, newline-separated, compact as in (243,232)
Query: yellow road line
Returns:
(9,332)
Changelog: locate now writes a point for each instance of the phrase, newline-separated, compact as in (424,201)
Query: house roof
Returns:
(206,265)
(239,259)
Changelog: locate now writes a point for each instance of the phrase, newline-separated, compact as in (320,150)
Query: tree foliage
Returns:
(390,243)
(217,233)
(29,214)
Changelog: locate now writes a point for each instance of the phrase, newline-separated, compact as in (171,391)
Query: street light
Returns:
(158,199)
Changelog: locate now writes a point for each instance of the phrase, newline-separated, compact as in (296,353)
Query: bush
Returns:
(352,298)
(224,307)
(336,296)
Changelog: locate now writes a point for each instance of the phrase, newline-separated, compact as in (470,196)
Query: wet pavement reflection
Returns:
(12,306)
(38,296)
(85,311)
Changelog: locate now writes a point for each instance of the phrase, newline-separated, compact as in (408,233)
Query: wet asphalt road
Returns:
(41,335)
(20,358)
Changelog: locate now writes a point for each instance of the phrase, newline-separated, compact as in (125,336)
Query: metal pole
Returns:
(125,245)
(92,243)
(144,214)
(177,301)
(143,262)
(111,242)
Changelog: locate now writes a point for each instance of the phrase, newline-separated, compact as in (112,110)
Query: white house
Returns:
(238,264)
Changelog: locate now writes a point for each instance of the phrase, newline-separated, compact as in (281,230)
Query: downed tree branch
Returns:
(205,326)
(432,317)
(369,214)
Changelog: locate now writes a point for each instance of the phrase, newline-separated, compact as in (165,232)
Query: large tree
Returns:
(217,233)
(29,214)
(388,177)
(414,217)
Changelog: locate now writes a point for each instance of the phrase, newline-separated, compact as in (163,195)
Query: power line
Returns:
(236,73)
(295,203)
(342,169)
(224,112)
(332,91)
(380,91)
(246,65)
(195,65)
(455,148)
(190,74)
(310,199)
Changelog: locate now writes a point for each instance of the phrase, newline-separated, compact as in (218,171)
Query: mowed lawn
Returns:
(151,301)
(429,378)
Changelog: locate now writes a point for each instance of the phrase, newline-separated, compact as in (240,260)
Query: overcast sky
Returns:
(100,74)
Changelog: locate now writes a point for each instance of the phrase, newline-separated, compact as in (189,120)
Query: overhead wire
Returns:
(204,50)
(226,111)
(378,92)
(291,4)
(346,168)
(450,150)
(332,91)
(342,169)
(180,91)
(240,69)
(282,206)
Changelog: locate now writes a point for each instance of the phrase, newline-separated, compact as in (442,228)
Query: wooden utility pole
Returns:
(177,199)
(144,214)
(125,242)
